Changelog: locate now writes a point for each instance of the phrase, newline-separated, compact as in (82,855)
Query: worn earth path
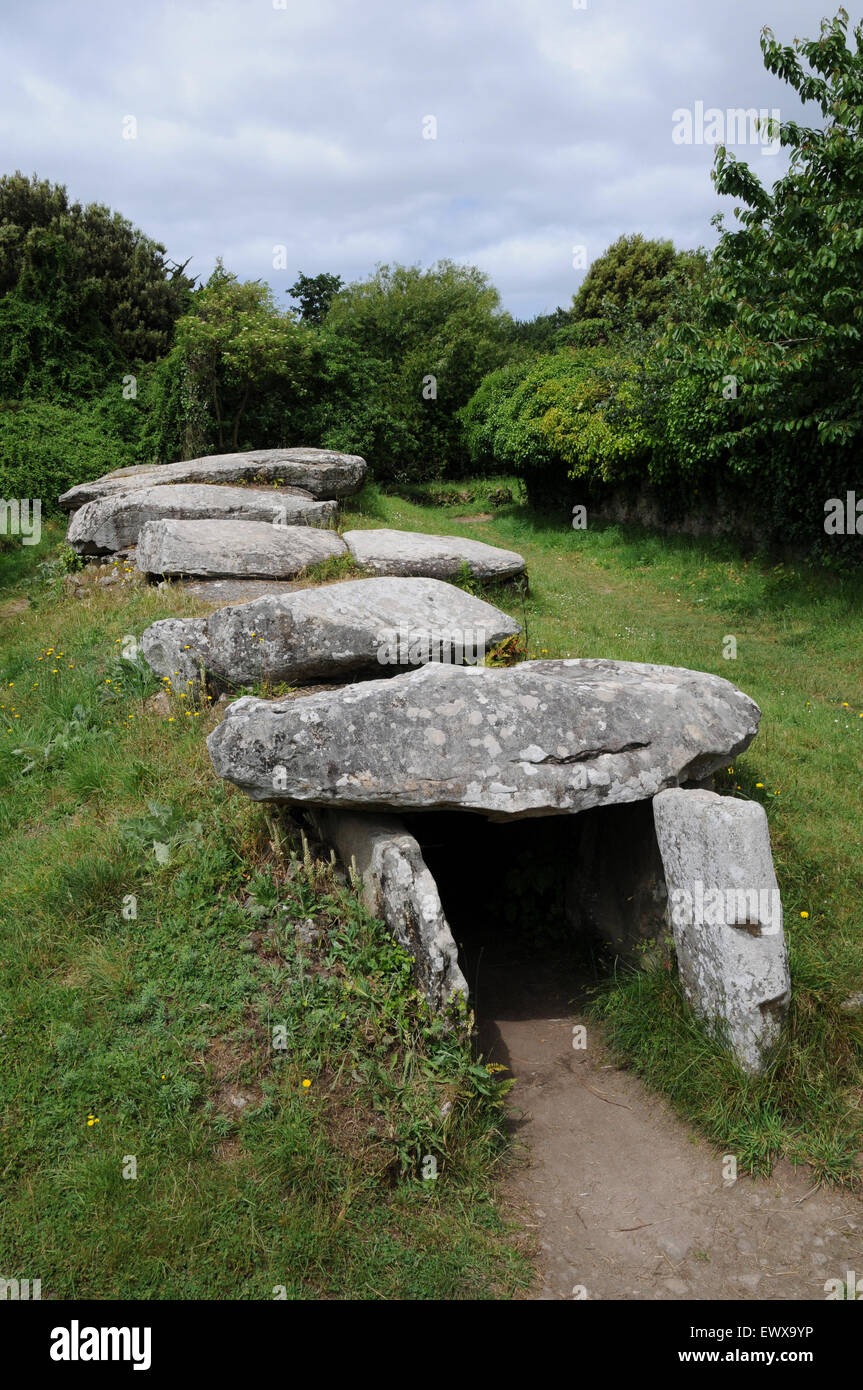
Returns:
(623,1199)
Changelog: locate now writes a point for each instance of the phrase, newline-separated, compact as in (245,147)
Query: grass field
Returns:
(155,928)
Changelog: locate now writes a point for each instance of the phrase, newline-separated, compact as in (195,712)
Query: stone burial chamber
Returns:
(605,753)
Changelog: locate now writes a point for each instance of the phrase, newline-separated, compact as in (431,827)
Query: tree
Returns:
(785,309)
(82,291)
(777,349)
(426,339)
(637,275)
(314,293)
(241,369)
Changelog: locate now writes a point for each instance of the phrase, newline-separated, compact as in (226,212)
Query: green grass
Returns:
(632,596)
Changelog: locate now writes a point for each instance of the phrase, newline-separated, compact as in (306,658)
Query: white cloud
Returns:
(302,126)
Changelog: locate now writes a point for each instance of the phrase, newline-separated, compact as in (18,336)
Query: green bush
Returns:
(46,448)
(573,413)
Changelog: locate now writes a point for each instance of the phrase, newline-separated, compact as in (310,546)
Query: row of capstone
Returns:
(543,738)
(195,518)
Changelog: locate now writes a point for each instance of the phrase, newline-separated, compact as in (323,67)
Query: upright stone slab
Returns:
(321,472)
(114,523)
(398,888)
(358,627)
(236,548)
(726,915)
(438,557)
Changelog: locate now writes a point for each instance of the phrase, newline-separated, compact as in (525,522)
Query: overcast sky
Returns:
(303,126)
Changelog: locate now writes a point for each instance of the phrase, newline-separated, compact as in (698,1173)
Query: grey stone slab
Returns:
(541,738)
(113,524)
(439,557)
(726,915)
(358,626)
(232,548)
(322,472)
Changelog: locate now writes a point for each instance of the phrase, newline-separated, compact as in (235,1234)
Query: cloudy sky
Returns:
(305,124)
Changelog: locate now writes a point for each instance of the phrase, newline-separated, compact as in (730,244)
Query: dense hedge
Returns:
(575,408)
(46,447)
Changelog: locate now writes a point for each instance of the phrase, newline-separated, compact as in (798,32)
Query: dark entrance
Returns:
(541,908)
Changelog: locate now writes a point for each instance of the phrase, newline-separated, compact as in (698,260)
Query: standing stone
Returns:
(726,915)
(398,888)
(239,548)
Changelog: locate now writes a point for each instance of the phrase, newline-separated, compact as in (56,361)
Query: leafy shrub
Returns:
(575,411)
(47,447)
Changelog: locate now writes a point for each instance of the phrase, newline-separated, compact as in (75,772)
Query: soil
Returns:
(626,1201)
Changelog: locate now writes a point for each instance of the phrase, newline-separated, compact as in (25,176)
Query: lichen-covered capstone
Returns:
(358,626)
(541,738)
(322,472)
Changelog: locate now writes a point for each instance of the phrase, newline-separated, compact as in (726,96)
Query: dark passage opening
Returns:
(542,908)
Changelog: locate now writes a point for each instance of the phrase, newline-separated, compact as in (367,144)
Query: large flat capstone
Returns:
(236,548)
(113,523)
(726,915)
(541,738)
(439,557)
(321,472)
(361,625)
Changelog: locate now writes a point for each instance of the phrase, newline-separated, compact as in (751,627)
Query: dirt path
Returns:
(625,1201)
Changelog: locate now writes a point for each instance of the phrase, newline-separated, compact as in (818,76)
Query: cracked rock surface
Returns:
(540,738)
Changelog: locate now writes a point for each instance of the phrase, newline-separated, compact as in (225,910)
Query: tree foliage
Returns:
(241,373)
(635,274)
(314,294)
(424,339)
(83,293)
(784,311)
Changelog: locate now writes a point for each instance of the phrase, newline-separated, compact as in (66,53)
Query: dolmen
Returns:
(570,738)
